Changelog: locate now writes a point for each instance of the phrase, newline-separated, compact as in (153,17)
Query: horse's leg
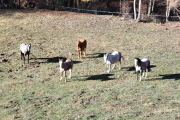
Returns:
(81,53)
(137,74)
(61,75)
(84,51)
(28,57)
(21,55)
(70,73)
(119,62)
(114,65)
(78,54)
(143,73)
(24,58)
(65,75)
(146,72)
(140,75)
(109,67)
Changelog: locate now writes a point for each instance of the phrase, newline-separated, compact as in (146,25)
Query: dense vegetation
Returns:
(149,9)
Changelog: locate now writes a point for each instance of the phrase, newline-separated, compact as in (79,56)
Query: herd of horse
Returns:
(141,66)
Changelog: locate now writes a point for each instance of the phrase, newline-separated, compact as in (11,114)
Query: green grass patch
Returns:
(34,90)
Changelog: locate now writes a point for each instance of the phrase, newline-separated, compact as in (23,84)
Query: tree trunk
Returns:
(46,4)
(120,7)
(139,13)
(77,2)
(134,9)
(149,8)
(19,4)
(153,6)
(167,10)
(69,2)
(124,6)
(74,2)
(2,4)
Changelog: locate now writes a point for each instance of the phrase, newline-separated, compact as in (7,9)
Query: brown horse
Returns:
(81,44)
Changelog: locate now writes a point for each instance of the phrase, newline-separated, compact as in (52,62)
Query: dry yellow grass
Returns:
(33,91)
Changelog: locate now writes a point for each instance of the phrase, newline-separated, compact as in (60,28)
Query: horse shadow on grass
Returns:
(54,60)
(132,68)
(96,55)
(166,77)
(171,76)
(102,77)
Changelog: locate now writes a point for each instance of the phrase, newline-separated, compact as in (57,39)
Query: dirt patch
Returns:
(12,104)
(171,25)
(85,101)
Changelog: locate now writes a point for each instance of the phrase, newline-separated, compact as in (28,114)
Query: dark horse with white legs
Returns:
(141,66)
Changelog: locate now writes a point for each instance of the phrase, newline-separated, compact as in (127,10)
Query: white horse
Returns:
(141,66)
(112,58)
(64,66)
(25,49)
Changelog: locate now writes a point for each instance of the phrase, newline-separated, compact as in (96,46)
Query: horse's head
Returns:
(61,63)
(137,62)
(29,47)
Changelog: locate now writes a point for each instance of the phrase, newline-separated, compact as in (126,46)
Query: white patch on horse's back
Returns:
(115,52)
(144,60)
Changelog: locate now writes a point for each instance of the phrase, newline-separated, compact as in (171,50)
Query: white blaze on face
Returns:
(135,62)
(29,47)
(138,68)
(60,63)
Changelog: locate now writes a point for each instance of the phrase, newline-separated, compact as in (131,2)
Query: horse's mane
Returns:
(62,62)
(107,55)
(139,61)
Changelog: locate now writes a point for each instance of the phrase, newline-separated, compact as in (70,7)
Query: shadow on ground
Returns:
(133,68)
(102,77)
(171,76)
(95,55)
(165,77)
(53,60)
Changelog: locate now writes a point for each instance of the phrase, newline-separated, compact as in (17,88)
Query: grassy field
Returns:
(34,91)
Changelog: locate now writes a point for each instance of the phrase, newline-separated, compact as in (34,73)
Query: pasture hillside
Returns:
(34,91)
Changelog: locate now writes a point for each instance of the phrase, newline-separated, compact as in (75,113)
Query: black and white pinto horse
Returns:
(141,66)
(112,58)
